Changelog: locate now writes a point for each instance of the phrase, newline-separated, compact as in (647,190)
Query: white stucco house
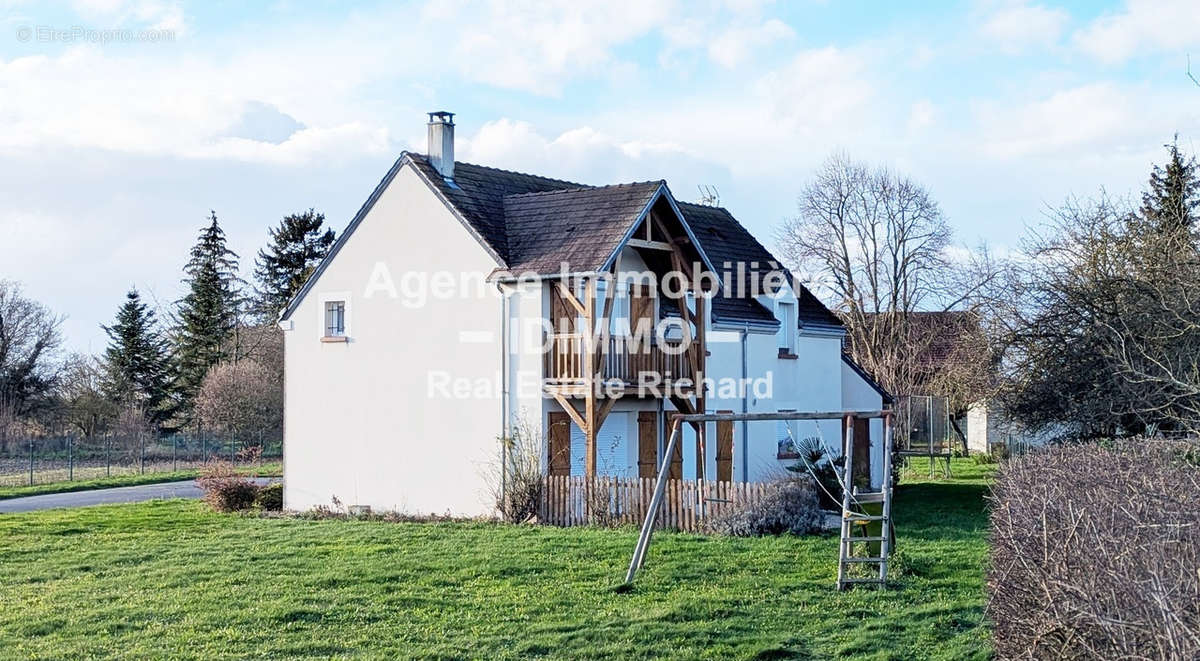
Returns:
(454,305)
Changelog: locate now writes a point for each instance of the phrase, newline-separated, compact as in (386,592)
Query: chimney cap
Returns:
(442,117)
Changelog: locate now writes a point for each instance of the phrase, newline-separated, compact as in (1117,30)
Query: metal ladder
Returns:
(851,519)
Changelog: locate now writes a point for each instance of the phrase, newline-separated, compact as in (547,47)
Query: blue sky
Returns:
(112,152)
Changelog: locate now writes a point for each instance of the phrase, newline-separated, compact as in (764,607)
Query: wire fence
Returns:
(47,460)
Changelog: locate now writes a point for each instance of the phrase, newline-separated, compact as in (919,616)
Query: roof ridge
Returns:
(572,184)
(704,206)
(585,187)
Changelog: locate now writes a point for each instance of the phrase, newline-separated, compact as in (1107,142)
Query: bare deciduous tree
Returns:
(132,427)
(29,336)
(1107,336)
(879,244)
(261,343)
(243,400)
(84,407)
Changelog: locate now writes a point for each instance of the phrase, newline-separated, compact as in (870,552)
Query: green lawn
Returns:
(266,470)
(169,579)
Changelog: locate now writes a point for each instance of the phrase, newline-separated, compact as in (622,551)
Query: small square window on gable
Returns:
(335,317)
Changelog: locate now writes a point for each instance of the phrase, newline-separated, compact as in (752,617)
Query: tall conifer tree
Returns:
(297,246)
(208,314)
(137,362)
(1172,199)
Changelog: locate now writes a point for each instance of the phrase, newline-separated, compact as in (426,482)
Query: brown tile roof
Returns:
(478,194)
(579,226)
(727,241)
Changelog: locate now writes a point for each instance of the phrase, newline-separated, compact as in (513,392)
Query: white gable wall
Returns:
(361,423)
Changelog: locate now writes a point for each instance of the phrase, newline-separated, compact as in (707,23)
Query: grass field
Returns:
(267,469)
(169,579)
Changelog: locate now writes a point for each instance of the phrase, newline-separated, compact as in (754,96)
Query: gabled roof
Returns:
(947,337)
(727,241)
(532,223)
(478,194)
(580,226)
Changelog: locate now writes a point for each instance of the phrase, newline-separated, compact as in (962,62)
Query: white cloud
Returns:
(921,115)
(151,14)
(539,47)
(735,45)
(817,88)
(581,154)
(1143,27)
(1014,27)
(303,146)
(921,55)
(1084,123)
(1065,119)
(173,102)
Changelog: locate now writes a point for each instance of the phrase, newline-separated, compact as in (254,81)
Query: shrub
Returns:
(1094,553)
(790,505)
(339,512)
(224,489)
(516,480)
(270,498)
(983,458)
(815,460)
(241,400)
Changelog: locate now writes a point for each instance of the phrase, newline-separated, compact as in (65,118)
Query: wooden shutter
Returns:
(641,328)
(647,444)
(559,443)
(641,305)
(724,449)
(562,314)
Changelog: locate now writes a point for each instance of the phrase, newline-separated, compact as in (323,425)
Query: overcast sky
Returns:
(112,154)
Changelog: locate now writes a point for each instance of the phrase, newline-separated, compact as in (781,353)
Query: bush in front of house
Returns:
(1095,550)
(516,479)
(225,490)
(816,461)
(270,498)
(790,505)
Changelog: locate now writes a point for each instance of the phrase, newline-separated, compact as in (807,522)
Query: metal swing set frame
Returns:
(850,495)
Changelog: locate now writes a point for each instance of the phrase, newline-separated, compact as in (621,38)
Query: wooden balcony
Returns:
(621,362)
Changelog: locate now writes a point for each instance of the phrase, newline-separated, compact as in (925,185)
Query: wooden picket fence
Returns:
(577,501)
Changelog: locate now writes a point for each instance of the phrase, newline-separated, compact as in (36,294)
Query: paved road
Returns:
(136,494)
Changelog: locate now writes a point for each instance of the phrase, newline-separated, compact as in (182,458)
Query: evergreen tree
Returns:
(297,246)
(137,362)
(1174,194)
(208,314)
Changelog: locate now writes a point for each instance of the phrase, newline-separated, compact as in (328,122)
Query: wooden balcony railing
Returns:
(620,360)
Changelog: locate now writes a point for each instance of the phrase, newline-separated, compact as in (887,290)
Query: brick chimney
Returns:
(441,142)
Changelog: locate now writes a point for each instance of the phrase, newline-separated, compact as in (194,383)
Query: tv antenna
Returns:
(709,196)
